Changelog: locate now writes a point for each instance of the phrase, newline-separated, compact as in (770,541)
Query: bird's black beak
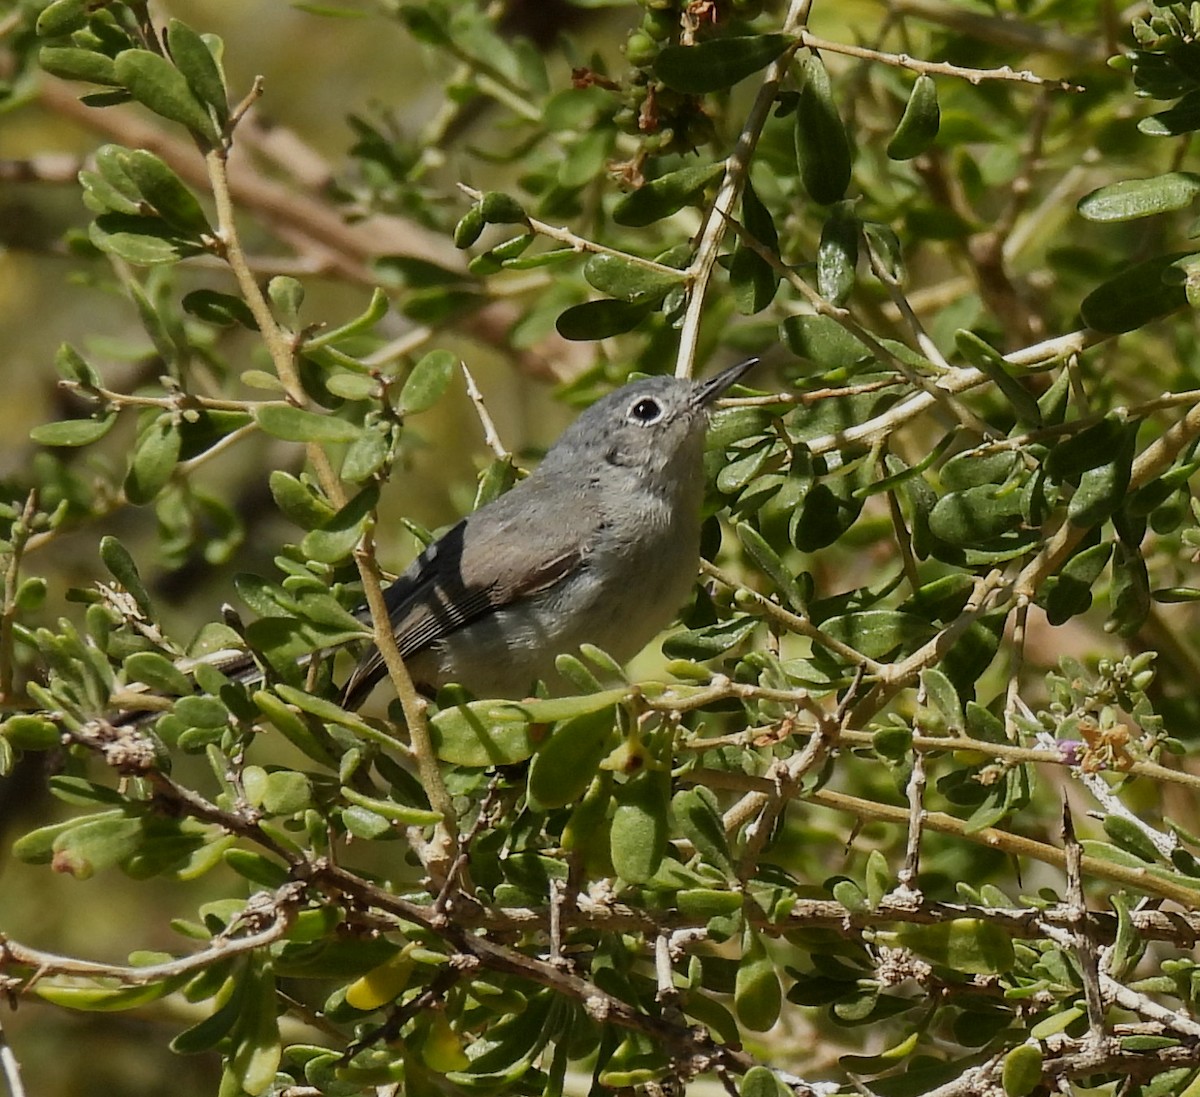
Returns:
(708,391)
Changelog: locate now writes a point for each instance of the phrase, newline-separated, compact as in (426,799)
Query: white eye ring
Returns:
(645,411)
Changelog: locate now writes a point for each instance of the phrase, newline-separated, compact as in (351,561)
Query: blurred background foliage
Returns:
(920,538)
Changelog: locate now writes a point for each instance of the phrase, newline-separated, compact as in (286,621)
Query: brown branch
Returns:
(278,913)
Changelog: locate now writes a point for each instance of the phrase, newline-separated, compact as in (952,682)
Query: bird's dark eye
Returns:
(645,410)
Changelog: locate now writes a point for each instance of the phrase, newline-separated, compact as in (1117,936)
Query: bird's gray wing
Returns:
(473,570)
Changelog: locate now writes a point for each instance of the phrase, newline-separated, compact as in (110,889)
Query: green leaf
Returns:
(469,227)
(1134,297)
(718,63)
(336,538)
(761,1082)
(62,17)
(76,64)
(992,363)
(165,192)
(428,382)
(257,1049)
(1133,198)
(664,196)
(823,340)
(155,83)
(156,671)
(618,277)
(322,708)
(375,311)
(977,515)
(941,713)
(72,366)
(287,296)
(600,319)
(824,515)
(876,1064)
(550,709)
(297,425)
(142,241)
(302,503)
(482,733)
(1102,489)
(154,458)
(638,839)
(711,640)
(1069,593)
(878,632)
(568,759)
(753,280)
(1088,449)
(771,565)
(699,817)
(97,844)
(221,309)
(757,996)
(1022,1071)
(968,945)
(27,732)
(202,712)
(118,560)
(294,728)
(99,998)
(1129,594)
(1183,117)
(822,149)
(1130,837)
(193,57)
(390,809)
(73,432)
(837,254)
(918,125)
(286,792)
(498,208)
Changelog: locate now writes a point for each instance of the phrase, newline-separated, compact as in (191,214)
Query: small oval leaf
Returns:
(718,63)
(918,125)
(822,148)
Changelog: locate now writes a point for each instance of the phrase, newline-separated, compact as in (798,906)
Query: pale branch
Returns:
(794,622)
(1002,30)
(10,1068)
(490,434)
(177,401)
(960,380)
(441,851)
(270,921)
(933,68)
(1142,879)
(737,169)
(1078,939)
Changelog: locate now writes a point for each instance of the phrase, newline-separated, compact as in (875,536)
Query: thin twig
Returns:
(737,169)
(10,1068)
(282,909)
(490,434)
(1084,946)
(933,68)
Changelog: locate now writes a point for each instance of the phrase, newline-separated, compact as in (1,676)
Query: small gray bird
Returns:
(599,545)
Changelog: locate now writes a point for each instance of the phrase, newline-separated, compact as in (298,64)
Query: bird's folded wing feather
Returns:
(473,570)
